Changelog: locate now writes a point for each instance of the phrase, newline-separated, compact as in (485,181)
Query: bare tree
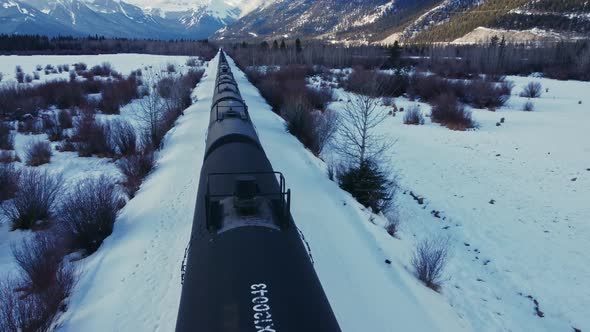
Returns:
(152,108)
(358,138)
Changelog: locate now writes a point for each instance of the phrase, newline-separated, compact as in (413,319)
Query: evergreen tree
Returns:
(368,185)
(283,45)
(298,45)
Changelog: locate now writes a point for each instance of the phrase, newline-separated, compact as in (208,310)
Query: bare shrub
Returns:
(528,107)
(192,62)
(429,261)
(89,212)
(35,199)
(319,98)
(24,310)
(104,70)
(485,94)
(413,116)
(30,125)
(80,66)
(92,137)
(450,113)
(64,117)
(393,222)
(36,76)
(135,168)
(20,77)
(9,176)
(1,77)
(532,90)
(7,157)
(6,136)
(123,137)
(38,152)
(39,259)
(73,76)
(325,127)
(28,78)
(171,68)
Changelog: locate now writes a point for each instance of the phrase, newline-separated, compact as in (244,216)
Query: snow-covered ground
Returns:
(68,164)
(514,200)
(123,63)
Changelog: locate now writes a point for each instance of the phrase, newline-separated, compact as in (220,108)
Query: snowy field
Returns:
(72,167)
(123,63)
(512,199)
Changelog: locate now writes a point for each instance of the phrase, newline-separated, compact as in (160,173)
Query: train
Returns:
(247,267)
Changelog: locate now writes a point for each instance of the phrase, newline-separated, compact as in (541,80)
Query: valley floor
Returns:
(512,199)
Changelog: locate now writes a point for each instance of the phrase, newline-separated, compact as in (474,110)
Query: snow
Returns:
(123,63)
(514,200)
(221,8)
(68,164)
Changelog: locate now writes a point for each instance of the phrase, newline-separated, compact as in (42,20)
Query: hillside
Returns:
(405,20)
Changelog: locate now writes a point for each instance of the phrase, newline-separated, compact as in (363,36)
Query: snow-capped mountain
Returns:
(164,19)
(21,18)
(420,20)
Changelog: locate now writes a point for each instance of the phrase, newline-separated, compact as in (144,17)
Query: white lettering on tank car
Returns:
(262,317)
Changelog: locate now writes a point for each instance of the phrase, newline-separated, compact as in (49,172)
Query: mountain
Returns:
(385,21)
(20,18)
(194,19)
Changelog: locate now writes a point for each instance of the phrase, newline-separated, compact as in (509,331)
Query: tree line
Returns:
(37,44)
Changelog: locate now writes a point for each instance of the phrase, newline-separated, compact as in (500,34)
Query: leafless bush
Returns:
(123,137)
(192,62)
(38,152)
(532,90)
(528,107)
(80,66)
(36,76)
(319,98)
(7,157)
(30,125)
(73,76)
(64,117)
(429,261)
(325,127)
(393,222)
(21,310)
(9,176)
(413,116)
(89,212)
(171,68)
(20,77)
(28,78)
(135,168)
(39,259)
(388,101)
(1,77)
(35,199)
(92,137)
(6,136)
(450,113)
(103,70)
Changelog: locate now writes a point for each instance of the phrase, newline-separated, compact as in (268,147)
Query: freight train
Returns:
(247,268)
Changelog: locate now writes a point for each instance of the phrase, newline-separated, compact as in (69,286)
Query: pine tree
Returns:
(298,47)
